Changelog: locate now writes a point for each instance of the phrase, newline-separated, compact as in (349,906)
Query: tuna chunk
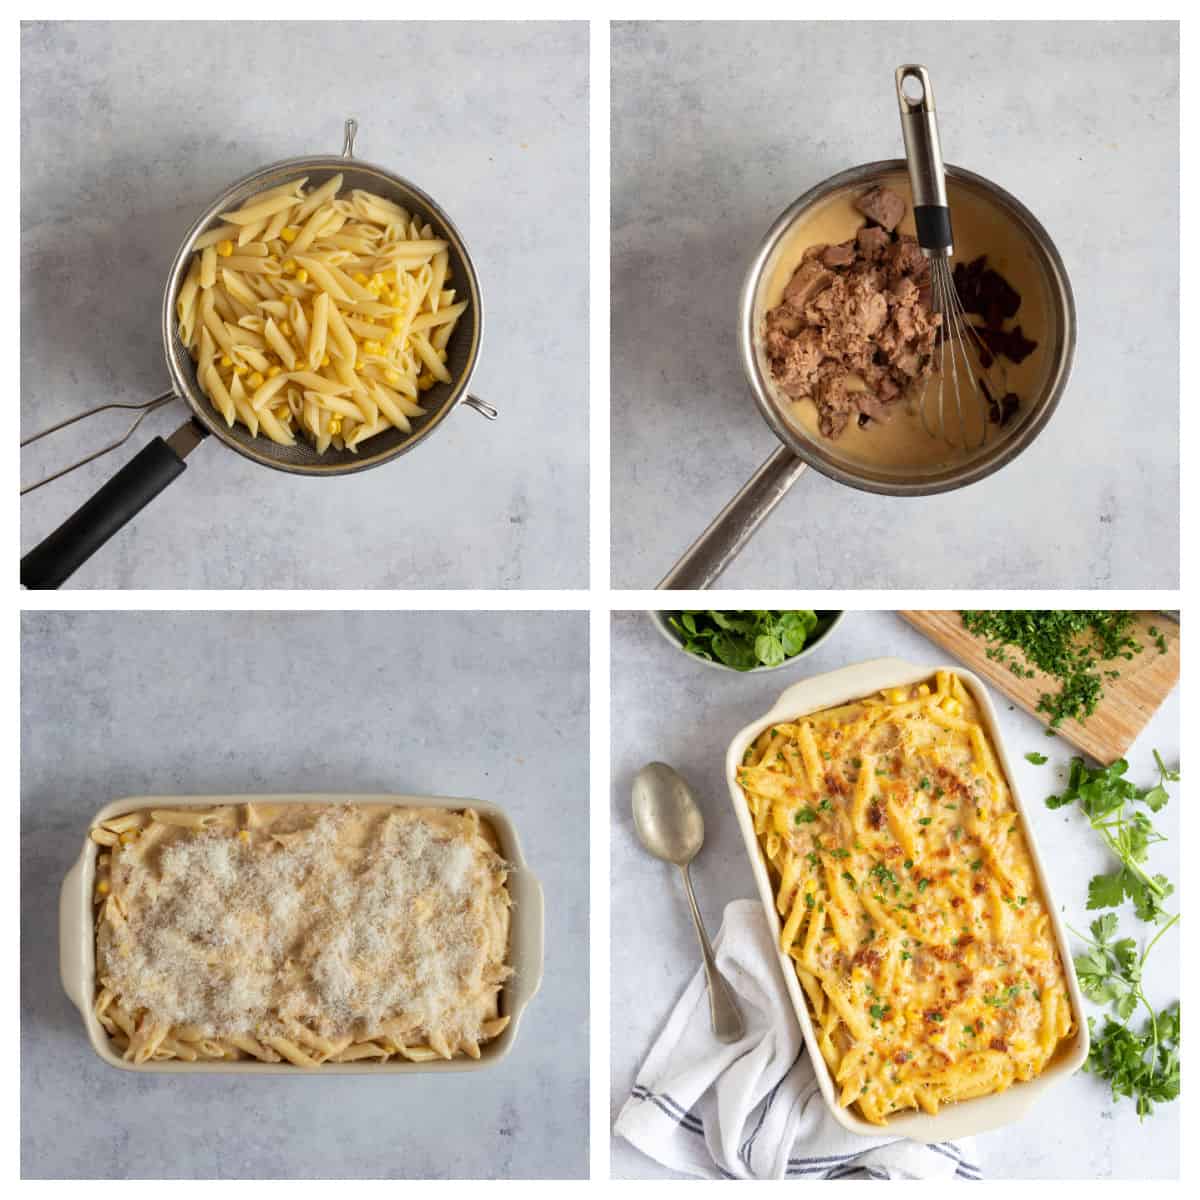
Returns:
(872,242)
(809,280)
(838,256)
(883,206)
(871,407)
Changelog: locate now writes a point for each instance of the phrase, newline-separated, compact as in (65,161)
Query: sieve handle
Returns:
(713,551)
(55,560)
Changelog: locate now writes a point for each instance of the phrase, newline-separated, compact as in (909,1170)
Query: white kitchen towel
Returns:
(752,1110)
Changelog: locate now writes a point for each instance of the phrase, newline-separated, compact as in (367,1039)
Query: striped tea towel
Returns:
(752,1110)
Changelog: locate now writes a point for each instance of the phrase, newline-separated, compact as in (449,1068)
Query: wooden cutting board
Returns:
(1128,703)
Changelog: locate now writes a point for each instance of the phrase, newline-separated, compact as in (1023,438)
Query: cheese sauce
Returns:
(902,444)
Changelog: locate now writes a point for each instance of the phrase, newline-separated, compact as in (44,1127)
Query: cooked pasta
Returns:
(910,902)
(316,315)
(300,933)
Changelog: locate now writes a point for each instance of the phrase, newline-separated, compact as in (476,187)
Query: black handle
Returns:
(56,559)
(933,226)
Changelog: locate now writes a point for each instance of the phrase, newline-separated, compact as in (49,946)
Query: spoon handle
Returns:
(727,1021)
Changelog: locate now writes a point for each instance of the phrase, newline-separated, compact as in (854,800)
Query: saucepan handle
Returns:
(709,555)
(56,559)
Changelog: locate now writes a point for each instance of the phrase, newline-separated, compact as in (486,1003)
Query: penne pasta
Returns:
(347,295)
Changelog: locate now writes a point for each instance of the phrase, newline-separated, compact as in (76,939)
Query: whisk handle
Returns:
(926,170)
(58,557)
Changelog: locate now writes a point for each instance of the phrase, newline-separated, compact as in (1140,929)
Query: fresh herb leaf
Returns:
(1107,798)
(1037,759)
(748,639)
(1069,645)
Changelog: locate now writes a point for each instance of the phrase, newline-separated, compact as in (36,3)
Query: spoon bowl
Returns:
(665,813)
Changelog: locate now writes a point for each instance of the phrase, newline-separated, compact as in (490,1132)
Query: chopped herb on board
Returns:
(1072,646)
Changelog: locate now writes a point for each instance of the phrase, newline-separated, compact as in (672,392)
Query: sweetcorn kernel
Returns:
(391,376)
(273,371)
(289,233)
(289,267)
(102,887)
(240,369)
(226,361)
(425,382)
(301,276)
(360,277)
(256,380)
(324,360)
(286,329)
(282,412)
(335,426)
(225,248)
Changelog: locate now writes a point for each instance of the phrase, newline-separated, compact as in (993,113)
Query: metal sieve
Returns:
(713,551)
(162,460)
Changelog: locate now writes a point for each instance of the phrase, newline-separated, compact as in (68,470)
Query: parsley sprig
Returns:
(1142,1066)
(1106,798)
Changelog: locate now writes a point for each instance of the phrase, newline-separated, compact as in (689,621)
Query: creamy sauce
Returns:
(902,444)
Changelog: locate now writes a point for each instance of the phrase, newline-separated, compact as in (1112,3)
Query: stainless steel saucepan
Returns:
(737,522)
(53,561)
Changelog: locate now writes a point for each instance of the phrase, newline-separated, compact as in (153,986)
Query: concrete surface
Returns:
(128,132)
(665,706)
(717,127)
(484,705)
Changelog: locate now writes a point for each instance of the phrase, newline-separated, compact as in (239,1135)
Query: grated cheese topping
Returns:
(344,920)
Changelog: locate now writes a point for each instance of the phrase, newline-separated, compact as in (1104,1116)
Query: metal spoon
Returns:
(671,826)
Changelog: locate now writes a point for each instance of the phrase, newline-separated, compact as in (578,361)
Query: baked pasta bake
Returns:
(300,933)
(315,314)
(910,902)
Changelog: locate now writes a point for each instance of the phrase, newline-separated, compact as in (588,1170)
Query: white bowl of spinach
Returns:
(746,639)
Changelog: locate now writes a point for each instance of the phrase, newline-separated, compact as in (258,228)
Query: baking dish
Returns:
(966,1117)
(77,942)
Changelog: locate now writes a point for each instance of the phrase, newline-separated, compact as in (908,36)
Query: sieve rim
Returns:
(201,408)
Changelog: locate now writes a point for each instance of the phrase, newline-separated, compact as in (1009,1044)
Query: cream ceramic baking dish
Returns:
(77,943)
(967,1117)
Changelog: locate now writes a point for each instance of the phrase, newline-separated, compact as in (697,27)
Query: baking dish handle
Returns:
(704,561)
(58,557)
(533,916)
(794,698)
(73,935)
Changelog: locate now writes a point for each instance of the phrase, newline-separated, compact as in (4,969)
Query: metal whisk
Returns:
(959,380)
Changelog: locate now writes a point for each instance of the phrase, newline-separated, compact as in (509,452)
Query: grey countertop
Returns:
(129,130)
(667,707)
(490,706)
(717,127)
